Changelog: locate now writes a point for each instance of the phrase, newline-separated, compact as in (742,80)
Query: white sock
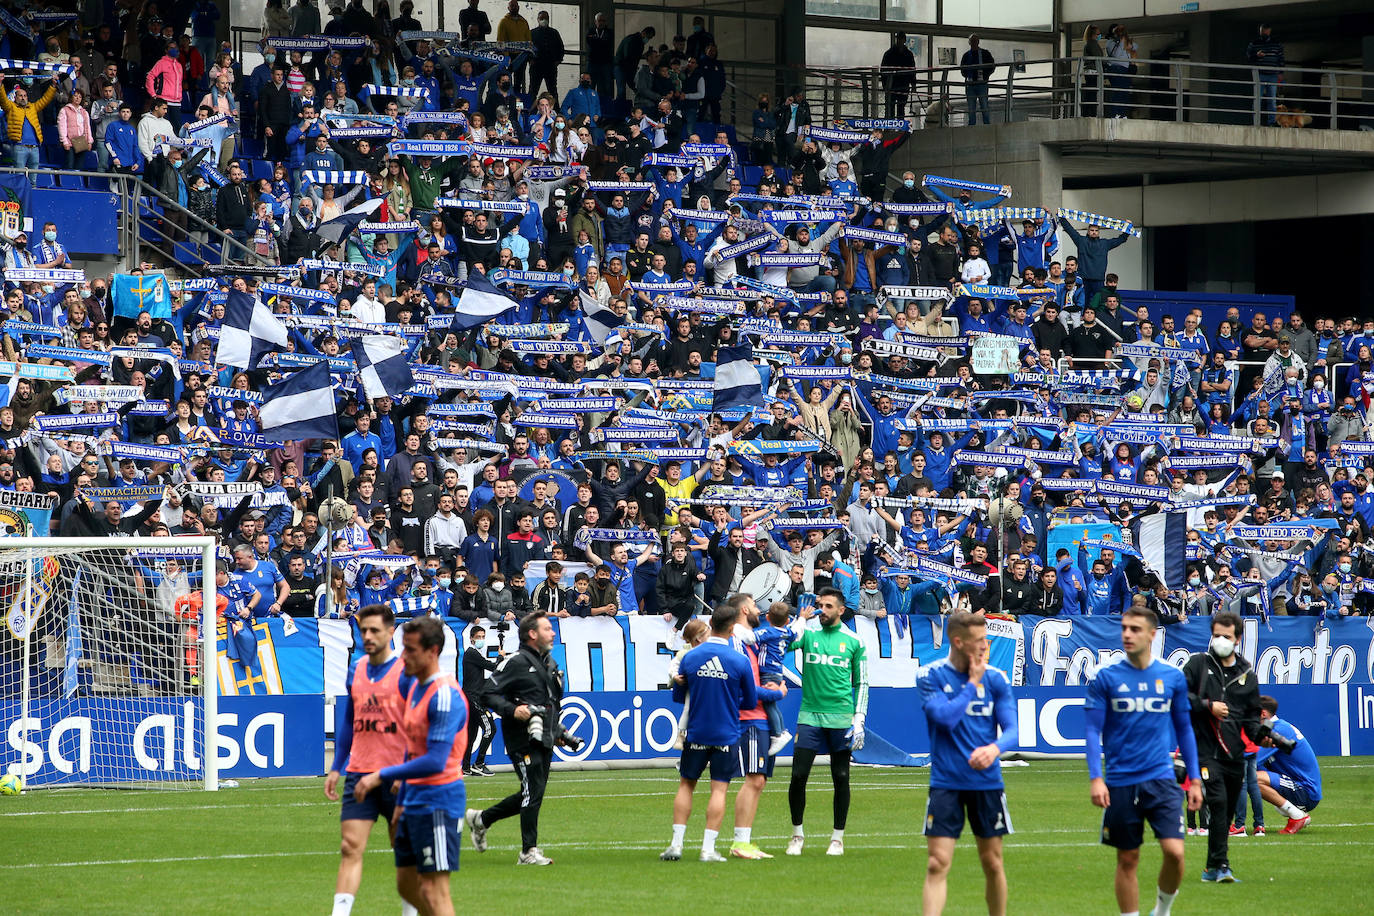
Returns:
(408,910)
(797,830)
(1292,810)
(343,904)
(743,834)
(708,840)
(679,834)
(1131,913)
(1164,903)
(837,835)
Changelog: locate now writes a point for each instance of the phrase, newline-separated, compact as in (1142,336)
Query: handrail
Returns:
(129,189)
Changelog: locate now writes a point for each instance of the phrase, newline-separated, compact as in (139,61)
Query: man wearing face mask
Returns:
(1224,695)
(477,668)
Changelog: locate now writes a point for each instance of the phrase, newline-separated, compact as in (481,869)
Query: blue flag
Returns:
(134,293)
(70,678)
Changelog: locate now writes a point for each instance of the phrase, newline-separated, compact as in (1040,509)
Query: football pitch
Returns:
(271,847)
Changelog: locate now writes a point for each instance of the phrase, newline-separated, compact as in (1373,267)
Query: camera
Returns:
(536,724)
(548,733)
(1284,744)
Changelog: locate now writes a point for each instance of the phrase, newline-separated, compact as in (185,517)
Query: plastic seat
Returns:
(42,180)
(71,182)
(98,184)
(259,169)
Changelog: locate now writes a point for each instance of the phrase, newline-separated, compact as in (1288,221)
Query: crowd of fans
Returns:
(878,460)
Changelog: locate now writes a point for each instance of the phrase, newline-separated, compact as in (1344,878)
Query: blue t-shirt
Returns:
(962,718)
(264,581)
(624,582)
(1300,765)
(720,683)
(1146,718)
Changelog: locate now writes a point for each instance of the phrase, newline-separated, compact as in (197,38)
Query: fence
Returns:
(148,224)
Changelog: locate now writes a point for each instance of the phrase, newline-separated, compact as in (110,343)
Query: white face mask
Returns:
(497,586)
(1223,646)
(1318,384)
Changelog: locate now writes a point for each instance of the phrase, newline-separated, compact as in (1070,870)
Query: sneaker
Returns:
(1211,875)
(710,855)
(1237,831)
(482,770)
(1296,824)
(476,830)
(794,845)
(1227,878)
(1192,831)
(533,856)
(1259,830)
(1202,831)
(671,854)
(747,851)
(836,848)
(777,744)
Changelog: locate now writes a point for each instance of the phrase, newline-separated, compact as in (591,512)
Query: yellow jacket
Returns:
(14,115)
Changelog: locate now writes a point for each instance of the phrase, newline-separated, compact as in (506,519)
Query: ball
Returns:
(11,784)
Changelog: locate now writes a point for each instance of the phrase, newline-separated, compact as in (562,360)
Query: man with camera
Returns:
(1225,700)
(525,692)
(1290,778)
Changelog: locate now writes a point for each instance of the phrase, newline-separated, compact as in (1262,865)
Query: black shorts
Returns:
(986,810)
(1159,801)
(697,757)
(380,802)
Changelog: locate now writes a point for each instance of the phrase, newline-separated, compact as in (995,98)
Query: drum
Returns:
(767,583)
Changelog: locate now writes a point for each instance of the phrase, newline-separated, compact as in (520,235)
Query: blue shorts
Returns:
(752,750)
(380,802)
(986,810)
(696,757)
(1159,801)
(823,740)
(1293,792)
(429,841)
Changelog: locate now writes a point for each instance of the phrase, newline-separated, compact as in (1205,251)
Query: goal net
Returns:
(107,664)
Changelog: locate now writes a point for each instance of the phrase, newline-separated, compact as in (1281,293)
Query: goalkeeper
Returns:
(834,702)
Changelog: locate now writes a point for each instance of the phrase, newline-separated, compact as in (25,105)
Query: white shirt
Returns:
(369,310)
(150,127)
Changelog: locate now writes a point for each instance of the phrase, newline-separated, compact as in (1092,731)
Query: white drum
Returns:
(767,583)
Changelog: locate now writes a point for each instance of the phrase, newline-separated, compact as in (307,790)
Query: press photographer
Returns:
(526,691)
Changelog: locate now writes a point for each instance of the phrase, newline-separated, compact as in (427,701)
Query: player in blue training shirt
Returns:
(432,800)
(1137,711)
(719,682)
(965,703)
(1290,780)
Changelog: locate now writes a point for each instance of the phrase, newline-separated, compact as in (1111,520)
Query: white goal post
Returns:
(109,671)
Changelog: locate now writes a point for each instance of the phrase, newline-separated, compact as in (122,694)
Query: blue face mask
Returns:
(50,236)
(909,182)
(176,165)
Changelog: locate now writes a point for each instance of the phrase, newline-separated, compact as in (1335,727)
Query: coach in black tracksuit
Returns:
(475,685)
(1224,696)
(530,677)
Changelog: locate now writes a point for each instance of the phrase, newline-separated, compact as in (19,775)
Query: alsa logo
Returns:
(832,661)
(1141,704)
(158,743)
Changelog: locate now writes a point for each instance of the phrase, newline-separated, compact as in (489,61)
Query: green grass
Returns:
(271,847)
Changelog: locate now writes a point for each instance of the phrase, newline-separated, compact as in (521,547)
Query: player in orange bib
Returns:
(369,735)
(429,809)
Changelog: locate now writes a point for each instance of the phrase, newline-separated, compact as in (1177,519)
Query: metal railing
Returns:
(1068,87)
(142,230)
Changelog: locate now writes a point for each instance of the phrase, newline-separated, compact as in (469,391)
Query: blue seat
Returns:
(98,184)
(752,174)
(259,169)
(784,173)
(251,147)
(43,180)
(71,182)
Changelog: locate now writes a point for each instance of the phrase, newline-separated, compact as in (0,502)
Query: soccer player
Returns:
(1137,710)
(755,760)
(831,720)
(965,702)
(370,737)
(719,683)
(1290,780)
(430,806)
